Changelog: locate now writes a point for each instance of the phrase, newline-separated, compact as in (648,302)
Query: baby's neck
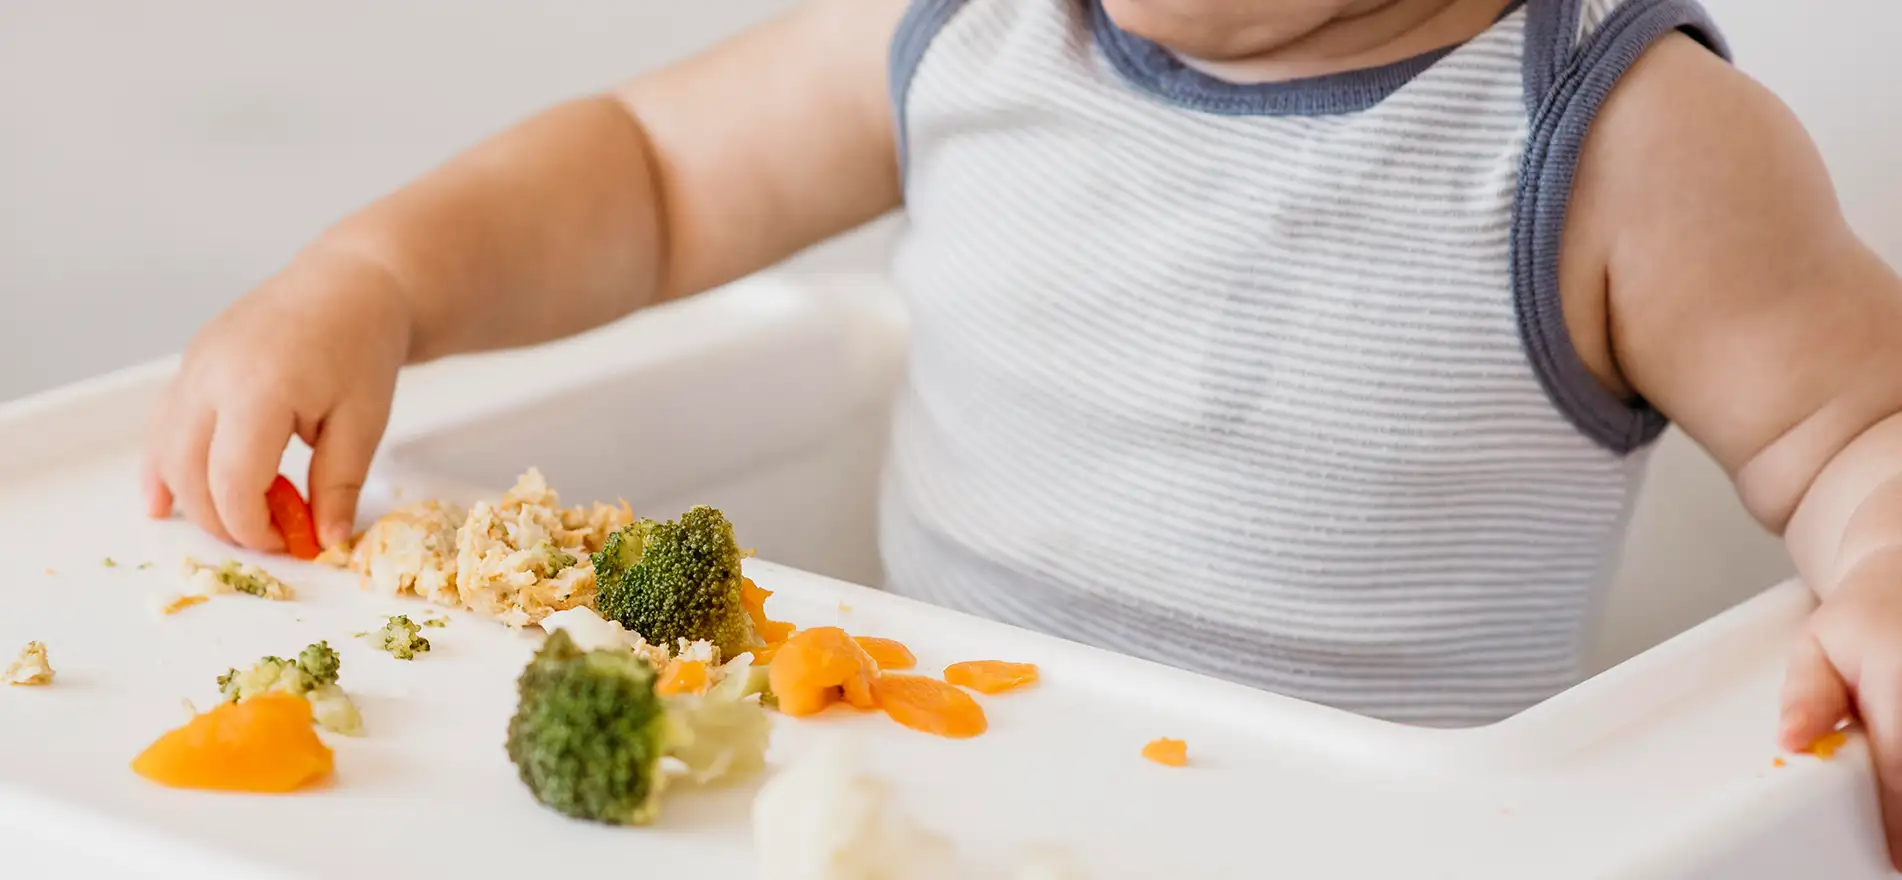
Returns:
(1391,32)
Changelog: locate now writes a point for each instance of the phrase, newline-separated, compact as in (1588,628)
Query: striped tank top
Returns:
(1266,381)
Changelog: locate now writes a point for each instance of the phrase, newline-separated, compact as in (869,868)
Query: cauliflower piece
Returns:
(30,669)
(591,632)
(525,557)
(313,676)
(232,576)
(701,651)
(827,818)
(412,550)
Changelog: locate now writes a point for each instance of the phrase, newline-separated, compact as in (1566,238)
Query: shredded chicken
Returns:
(30,668)
(412,551)
(515,560)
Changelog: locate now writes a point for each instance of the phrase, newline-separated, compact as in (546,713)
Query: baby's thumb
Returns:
(1815,697)
(339,462)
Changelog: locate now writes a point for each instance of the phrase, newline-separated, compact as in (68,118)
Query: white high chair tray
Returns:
(1660,768)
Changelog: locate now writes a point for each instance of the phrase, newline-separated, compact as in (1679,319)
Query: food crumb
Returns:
(844,607)
(1825,747)
(144,565)
(436,622)
(1167,752)
(50,572)
(109,562)
(233,576)
(1778,763)
(30,668)
(180,603)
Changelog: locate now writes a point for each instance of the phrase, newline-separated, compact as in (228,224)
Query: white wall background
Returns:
(159,158)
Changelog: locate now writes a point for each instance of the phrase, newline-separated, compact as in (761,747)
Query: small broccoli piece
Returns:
(401,637)
(669,581)
(321,663)
(589,733)
(312,676)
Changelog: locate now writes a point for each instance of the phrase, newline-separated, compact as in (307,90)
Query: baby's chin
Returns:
(1225,30)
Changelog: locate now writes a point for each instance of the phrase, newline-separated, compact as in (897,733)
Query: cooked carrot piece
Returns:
(753,598)
(817,667)
(889,654)
(930,705)
(1167,752)
(263,745)
(682,677)
(990,676)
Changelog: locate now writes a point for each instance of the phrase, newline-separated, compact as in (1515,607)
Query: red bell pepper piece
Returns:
(291,516)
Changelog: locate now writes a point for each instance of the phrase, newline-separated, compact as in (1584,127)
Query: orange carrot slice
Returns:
(753,598)
(1167,752)
(763,655)
(889,654)
(819,666)
(990,676)
(263,745)
(930,705)
(292,518)
(682,677)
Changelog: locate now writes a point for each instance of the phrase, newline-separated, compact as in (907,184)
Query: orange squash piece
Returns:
(753,598)
(1825,747)
(1167,752)
(682,677)
(889,654)
(990,676)
(817,667)
(263,745)
(929,705)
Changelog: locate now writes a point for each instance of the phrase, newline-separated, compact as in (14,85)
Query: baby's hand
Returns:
(1853,651)
(315,352)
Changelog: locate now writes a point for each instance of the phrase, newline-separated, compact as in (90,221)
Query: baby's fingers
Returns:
(182,468)
(244,455)
(340,459)
(1879,703)
(1815,697)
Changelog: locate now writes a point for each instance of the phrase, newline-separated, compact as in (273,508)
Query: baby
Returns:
(1313,344)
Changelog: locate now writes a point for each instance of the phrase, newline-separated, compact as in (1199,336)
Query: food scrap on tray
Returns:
(263,745)
(401,638)
(312,676)
(229,577)
(30,668)
(1167,752)
(516,560)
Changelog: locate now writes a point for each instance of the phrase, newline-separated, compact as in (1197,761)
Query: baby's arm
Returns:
(683,179)
(1734,297)
(689,177)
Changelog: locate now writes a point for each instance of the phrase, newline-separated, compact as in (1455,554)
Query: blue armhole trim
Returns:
(1565,87)
(921,23)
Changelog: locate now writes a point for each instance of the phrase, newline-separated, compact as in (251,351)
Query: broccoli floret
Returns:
(321,663)
(669,581)
(313,676)
(589,733)
(401,637)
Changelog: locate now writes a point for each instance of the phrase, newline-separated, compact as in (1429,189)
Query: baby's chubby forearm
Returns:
(546,229)
(678,181)
(1851,517)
